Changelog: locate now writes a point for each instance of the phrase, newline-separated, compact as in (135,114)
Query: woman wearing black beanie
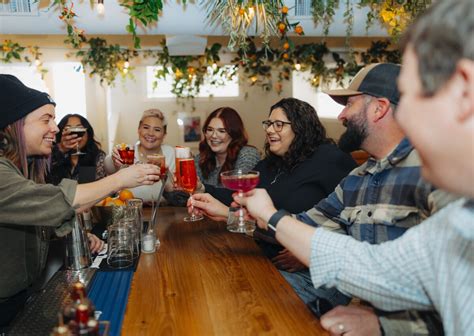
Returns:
(29,207)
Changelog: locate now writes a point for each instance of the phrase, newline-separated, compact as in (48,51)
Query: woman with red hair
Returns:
(224,147)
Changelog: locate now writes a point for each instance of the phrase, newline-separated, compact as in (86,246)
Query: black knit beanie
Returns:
(18,100)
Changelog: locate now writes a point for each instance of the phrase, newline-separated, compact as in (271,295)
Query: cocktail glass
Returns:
(188,183)
(241,181)
(127,154)
(79,131)
(159,161)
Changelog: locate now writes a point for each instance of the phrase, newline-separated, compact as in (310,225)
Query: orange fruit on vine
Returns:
(286,46)
(125,194)
(281,26)
(284,10)
(285,56)
(298,30)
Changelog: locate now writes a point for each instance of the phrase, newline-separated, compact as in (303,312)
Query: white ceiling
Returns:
(175,20)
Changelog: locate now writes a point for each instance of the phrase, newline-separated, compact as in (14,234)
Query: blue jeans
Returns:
(303,286)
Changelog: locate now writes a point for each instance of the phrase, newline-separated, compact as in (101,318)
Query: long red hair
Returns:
(235,128)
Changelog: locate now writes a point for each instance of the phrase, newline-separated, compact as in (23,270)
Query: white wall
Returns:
(128,100)
(114,112)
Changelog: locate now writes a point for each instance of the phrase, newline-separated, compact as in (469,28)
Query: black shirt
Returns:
(299,189)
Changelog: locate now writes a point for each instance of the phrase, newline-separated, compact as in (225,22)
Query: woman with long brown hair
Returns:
(224,147)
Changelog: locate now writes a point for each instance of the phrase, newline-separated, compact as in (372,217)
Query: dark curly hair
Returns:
(92,147)
(235,128)
(309,134)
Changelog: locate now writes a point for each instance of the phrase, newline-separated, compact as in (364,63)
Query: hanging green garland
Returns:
(190,72)
(106,61)
(394,15)
(12,51)
(257,65)
(144,11)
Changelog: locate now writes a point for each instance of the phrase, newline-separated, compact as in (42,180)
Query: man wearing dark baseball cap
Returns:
(376,80)
(377,201)
(374,85)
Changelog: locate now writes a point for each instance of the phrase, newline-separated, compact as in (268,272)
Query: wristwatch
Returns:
(275,218)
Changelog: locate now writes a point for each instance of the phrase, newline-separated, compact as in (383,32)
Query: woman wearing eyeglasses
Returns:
(224,147)
(301,167)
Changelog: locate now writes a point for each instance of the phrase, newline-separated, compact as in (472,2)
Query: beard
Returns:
(355,134)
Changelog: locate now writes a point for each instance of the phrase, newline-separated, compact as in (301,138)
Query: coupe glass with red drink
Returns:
(79,131)
(241,181)
(188,183)
(127,154)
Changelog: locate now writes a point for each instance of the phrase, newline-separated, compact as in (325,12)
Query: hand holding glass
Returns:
(241,181)
(127,154)
(159,161)
(188,182)
(79,131)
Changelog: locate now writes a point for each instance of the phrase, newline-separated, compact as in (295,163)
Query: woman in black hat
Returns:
(29,207)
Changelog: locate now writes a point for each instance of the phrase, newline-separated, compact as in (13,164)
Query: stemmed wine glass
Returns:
(241,180)
(79,131)
(188,182)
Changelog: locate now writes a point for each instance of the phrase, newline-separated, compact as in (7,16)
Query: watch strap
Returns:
(275,218)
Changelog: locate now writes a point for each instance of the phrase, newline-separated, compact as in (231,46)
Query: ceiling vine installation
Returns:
(242,20)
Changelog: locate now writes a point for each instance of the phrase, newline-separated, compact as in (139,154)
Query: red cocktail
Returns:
(188,182)
(158,160)
(127,154)
(181,153)
(241,181)
(188,177)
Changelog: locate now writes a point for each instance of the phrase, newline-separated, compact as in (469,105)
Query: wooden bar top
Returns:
(205,280)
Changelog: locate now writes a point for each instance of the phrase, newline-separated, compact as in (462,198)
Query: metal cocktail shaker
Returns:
(78,254)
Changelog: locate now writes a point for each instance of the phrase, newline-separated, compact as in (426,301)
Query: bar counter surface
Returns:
(205,280)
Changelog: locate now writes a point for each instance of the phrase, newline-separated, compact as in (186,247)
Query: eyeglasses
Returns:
(277,124)
(219,131)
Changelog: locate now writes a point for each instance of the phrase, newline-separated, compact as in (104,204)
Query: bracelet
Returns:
(275,218)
